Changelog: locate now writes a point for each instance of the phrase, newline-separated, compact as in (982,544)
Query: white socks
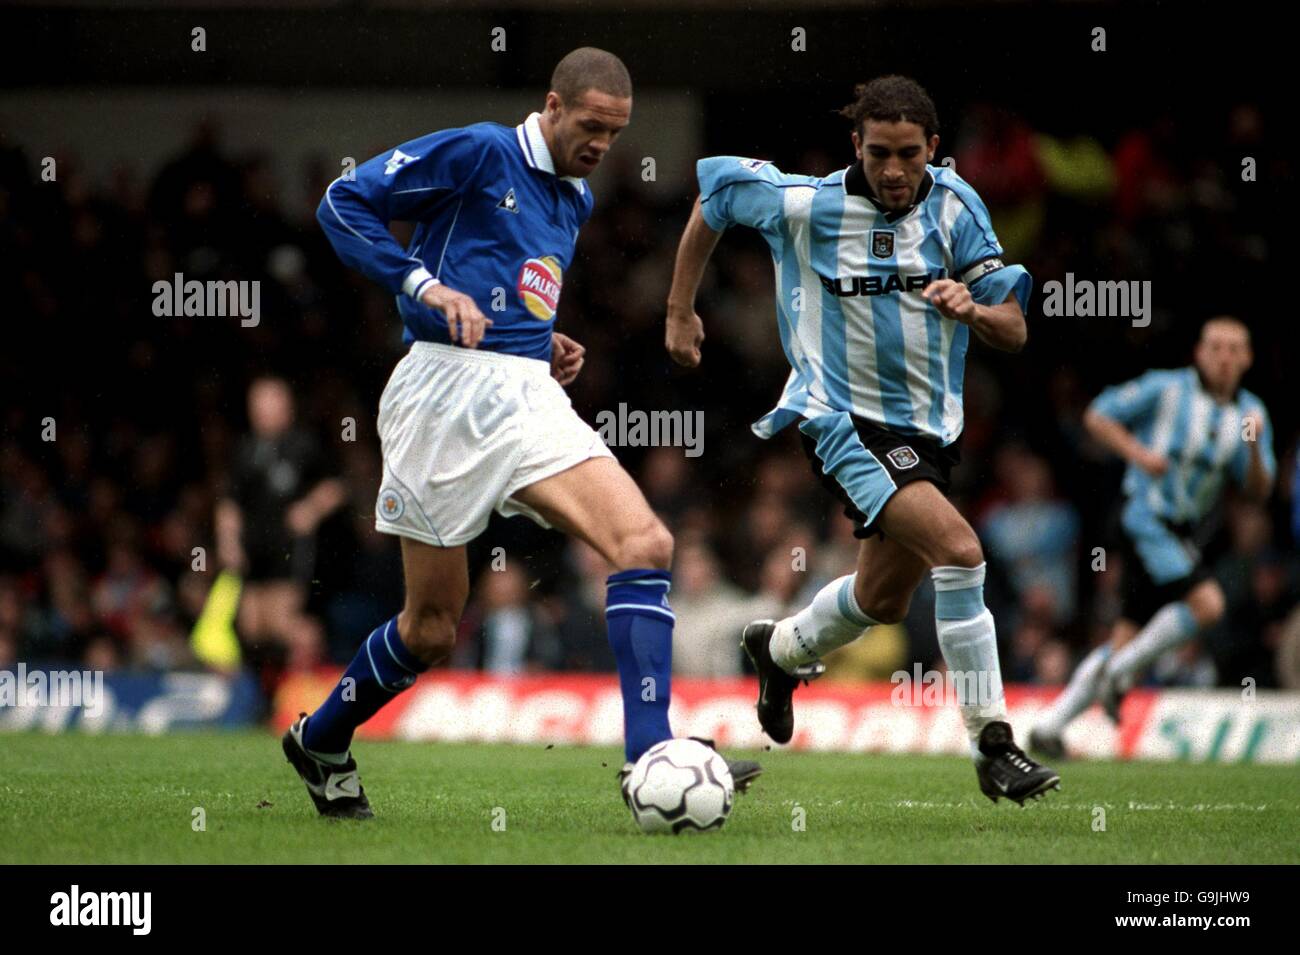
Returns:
(1172,625)
(966,636)
(832,620)
(970,647)
(1078,694)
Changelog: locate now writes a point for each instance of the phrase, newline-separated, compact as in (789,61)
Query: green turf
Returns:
(78,799)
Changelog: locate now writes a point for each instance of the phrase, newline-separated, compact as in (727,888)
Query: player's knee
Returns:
(649,547)
(961,548)
(428,632)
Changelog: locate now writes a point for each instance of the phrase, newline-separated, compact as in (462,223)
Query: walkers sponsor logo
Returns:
(652,429)
(53,688)
(74,907)
(194,299)
(539,286)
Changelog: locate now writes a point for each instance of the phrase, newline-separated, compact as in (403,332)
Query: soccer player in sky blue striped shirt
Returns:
(1184,432)
(883,270)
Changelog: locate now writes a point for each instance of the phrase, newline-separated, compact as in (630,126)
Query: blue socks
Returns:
(640,626)
(382,668)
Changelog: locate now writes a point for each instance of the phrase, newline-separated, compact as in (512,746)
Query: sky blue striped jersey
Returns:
(1170,412)
(857,333)
(493,220)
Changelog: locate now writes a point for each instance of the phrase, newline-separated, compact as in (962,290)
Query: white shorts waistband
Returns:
(516,363)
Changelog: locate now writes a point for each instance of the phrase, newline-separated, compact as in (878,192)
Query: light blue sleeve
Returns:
(739,191)
(977,254)
(1133,400)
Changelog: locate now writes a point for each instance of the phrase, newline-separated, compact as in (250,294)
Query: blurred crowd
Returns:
(127,438)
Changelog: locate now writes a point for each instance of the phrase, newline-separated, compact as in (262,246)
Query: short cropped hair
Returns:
(588,68)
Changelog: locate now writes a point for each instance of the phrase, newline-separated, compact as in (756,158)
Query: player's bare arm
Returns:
(685,331)
(1118,439)
(999,326)
(1258,483)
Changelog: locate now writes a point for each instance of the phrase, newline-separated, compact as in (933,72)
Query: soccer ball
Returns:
(681,785)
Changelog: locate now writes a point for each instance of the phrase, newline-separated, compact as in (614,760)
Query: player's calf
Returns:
(428,632)
(382,668)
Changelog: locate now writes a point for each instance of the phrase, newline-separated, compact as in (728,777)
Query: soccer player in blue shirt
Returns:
(475,418)
(1185,432)
(883,271)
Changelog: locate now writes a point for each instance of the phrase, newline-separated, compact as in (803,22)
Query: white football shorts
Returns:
(461,431)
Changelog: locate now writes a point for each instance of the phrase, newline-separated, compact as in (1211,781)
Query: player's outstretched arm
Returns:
(685,331)
(1258,482)
(1117,438)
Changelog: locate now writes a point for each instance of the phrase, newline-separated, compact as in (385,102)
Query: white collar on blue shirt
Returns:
(536,152)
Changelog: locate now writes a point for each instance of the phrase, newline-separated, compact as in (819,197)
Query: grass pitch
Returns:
(133,799)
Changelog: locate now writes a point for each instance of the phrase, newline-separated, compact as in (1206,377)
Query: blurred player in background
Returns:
(475,419)
(279,493)
(1183,432)
(882,272)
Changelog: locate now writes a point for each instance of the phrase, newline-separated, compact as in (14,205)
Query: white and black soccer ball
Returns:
(681,785)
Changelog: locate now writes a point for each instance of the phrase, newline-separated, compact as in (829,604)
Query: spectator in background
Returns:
(579,611)
(279,492)
(711,613)
(1033,534)
(510,635)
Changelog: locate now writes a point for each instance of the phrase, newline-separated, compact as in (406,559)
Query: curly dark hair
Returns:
(892,99)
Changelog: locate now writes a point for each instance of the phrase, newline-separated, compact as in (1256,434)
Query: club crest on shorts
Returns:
(882,243)
(391,506)
(539,286)
(903,458)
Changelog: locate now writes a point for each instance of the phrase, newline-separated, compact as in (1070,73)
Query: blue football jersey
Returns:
(493,220)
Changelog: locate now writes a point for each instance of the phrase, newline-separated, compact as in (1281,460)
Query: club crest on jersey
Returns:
(391,505)
(903,458)
(539,286)
(509,203)
(397,161)
(882,243)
